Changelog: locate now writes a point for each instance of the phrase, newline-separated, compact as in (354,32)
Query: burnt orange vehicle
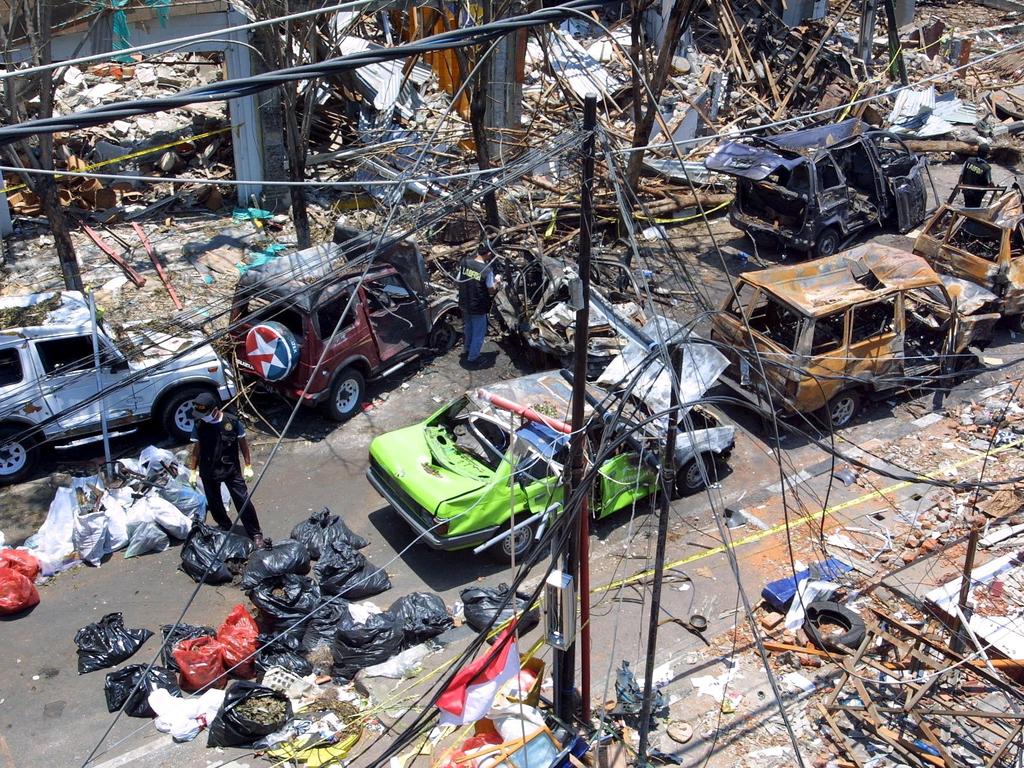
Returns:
(984,246)
(833,332)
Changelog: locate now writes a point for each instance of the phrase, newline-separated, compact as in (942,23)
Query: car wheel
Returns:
(176,416)
(690,477)
(18,455)
(841,410)
(346,394)
(443,336)
(1017,323)
(519,544)
(827,242)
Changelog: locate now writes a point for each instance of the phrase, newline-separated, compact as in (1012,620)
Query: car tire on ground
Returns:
(346,394)
(827,243)
(176,412)
(19,454)
(690,479)
(443,336)
(522,540)
(841,410)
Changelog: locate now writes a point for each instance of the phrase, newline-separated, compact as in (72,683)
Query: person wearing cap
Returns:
(976,173)
(217,440)
(477,286)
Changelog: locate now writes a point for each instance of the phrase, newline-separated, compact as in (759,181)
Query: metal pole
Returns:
(965,587)
(579,396)
(668,483)
(99,378)
(897,66)
(564,673)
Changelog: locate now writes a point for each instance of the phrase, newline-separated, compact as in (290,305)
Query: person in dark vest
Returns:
(217,440)
(477,286)
(976,173)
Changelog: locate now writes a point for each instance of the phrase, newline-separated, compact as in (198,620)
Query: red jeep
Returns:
(285,311)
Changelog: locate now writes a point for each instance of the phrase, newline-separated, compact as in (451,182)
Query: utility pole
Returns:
(668,475)
(965,588)
(577,551)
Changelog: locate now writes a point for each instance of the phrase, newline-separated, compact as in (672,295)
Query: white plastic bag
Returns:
(153,459)
(184,718)
(90,537)
(152,509)
(406,664)
(54,535)
(117,523)
(146,538)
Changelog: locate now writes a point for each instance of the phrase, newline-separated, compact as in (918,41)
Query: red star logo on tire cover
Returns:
(269,352)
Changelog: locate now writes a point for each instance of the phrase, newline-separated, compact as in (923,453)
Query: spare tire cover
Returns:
(272,350)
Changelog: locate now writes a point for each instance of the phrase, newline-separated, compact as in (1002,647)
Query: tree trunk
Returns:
(37,25)
(296,167)
(678,17)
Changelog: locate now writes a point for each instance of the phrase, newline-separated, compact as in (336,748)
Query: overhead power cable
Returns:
(248,86)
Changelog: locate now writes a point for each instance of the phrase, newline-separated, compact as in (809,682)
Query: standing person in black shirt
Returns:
(477,286)
(217,439)
(976,173)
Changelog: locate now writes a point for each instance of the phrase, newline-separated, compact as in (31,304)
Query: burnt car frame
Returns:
(813,189)
(984,246)
(834,331)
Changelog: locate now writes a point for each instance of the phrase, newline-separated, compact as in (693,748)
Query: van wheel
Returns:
(690,477)
(518,543)
(827,242)
(442,336)
(19,455)
(176,414)
(842,409)
(346,394)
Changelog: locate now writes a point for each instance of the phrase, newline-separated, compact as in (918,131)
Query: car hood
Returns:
(147,348)
(406,456)
(749,162)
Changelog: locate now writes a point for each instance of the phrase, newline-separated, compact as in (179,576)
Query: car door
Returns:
(351,337)
(70,384)
(825,337)
(20,395)
(973,250)
(398,316)
(833,193)
(875,351)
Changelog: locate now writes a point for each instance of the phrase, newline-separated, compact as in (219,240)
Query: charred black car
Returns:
(812,189)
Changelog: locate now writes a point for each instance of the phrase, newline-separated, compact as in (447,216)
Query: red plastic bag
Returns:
(17,593)
(201,663)
(237,635)
(22,562)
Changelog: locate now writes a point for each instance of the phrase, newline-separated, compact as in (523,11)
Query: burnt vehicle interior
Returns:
(767,316)
(979,238)
(781,197)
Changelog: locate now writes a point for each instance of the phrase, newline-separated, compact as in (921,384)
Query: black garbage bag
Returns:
(363,645)
(206,546)
(323,624)
(171,639)
(483,603)
(282,652)
(249,713)
(286,556)
(421,615)
(344,572)
(106,643)
(286,603)
(323,527)
(124,689)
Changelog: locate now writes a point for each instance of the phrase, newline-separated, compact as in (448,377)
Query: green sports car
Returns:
(474,475)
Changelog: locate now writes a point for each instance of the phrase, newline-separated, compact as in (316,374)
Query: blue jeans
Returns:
(475,330)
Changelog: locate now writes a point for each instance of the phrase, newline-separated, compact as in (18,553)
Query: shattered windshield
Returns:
(767,315)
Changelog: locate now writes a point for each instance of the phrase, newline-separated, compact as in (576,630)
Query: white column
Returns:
(245,121)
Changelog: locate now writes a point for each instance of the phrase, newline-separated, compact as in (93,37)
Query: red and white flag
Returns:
(471,692)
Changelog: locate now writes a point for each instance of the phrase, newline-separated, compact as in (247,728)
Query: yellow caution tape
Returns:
(656,220)
(132,156)
(755,537)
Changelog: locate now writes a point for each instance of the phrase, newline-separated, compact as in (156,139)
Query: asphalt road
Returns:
(51,716)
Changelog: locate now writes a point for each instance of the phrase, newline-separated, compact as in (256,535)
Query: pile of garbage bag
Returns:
(142,510)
